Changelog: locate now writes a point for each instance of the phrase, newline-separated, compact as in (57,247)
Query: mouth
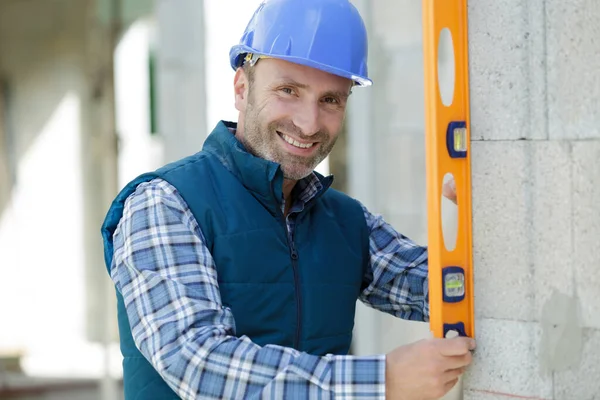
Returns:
(294,143)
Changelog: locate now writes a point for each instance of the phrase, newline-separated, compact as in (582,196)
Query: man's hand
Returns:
(449,190)
(426,370)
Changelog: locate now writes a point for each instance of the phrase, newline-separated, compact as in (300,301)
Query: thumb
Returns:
(457,346)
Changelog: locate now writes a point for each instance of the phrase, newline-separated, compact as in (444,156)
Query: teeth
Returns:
(295,142)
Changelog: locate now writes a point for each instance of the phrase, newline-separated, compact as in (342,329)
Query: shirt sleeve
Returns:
(396,280)
(168,280)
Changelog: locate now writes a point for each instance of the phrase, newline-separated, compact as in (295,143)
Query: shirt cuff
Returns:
(358,377)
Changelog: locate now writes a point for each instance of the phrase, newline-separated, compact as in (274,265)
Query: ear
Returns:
(240,87)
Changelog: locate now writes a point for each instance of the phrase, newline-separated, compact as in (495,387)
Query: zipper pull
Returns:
(293,252)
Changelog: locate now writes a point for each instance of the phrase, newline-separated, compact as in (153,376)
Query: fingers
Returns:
(457,362)
(449,190)
(453,374)
(449,194)
(457,346)
(450,385)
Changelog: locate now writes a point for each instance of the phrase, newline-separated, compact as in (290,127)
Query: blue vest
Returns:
(296,290)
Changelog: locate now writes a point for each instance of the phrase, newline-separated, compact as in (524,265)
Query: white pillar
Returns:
(361,185)
(181,67)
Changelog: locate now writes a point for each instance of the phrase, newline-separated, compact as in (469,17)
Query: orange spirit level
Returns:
(448,152)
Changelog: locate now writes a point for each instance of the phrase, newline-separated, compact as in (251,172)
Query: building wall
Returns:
(535,104)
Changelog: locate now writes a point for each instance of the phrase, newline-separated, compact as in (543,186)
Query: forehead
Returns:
(270,70)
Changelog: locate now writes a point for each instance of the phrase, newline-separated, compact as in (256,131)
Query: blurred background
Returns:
(95,92)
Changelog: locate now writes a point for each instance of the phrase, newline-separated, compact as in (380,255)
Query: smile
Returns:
(295,143)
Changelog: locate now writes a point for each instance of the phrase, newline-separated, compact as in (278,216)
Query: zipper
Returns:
(294,257)
(294,254)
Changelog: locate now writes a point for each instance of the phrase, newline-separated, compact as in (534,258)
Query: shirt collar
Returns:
(263,178)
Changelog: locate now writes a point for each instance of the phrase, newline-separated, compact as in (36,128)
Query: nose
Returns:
(307,118)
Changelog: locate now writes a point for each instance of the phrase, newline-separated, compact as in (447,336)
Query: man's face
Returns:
(291,114)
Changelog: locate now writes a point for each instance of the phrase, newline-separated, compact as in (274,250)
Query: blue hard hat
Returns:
(329,35)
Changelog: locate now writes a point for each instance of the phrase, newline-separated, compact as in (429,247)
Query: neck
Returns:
(288,186)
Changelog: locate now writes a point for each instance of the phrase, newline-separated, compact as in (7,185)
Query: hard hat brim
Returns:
(239,50)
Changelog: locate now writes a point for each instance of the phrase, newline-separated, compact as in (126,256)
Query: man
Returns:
(237,269)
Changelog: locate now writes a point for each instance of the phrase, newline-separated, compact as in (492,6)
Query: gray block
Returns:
(506,361)
(522,235)
(561,342)
(503,276)
(550,203)
(582,382)
(573,65)
(586,225)
(506,68)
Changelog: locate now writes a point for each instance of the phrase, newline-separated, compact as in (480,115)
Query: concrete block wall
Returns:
(535,107)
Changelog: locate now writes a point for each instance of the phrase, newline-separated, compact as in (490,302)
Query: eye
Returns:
(331,100)
(287,90)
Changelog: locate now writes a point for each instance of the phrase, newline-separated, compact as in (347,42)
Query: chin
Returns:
(297,170)
(296,175)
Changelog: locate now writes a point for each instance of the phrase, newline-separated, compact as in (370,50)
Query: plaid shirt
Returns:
(168,280)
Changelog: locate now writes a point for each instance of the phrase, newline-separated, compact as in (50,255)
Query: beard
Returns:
(263,141)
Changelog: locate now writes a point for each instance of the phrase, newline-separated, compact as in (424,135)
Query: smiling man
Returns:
(289,114)
(238,268)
